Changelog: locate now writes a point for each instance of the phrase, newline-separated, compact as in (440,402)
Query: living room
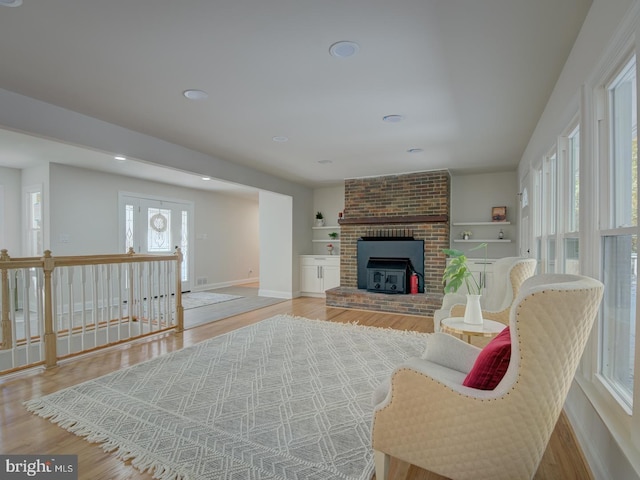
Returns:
(607,429)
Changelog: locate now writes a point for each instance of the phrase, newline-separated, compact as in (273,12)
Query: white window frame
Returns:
(595,185)
(622,427)
(27,243)
(606,228)
(565,193)
(545,209)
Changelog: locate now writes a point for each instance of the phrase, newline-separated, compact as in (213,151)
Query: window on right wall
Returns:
(570,192)
(619,237)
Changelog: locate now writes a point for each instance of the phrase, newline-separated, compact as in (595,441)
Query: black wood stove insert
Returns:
(386,262)
(388,275)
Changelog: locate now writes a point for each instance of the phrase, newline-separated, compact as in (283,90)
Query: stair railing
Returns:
(56,307)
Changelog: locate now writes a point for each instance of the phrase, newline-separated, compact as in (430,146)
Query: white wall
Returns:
(605,439)
(329,201)
(276,237)
(84,209)
(473,196)
(10,226)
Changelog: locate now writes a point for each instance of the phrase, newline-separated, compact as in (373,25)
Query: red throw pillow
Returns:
(491,364)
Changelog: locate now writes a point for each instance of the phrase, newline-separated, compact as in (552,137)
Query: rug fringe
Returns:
(140,461)
(356,324)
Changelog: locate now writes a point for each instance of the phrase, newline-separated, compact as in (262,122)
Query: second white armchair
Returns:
(508,275)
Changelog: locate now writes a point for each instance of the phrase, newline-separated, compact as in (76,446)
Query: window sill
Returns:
(617,421)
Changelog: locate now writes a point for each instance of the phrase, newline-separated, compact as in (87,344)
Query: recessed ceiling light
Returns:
(120,158)
(280,139)
(10,3)
(325,162)
(206,178)
(392,118)
(415,150)
(196,94)
(344,49)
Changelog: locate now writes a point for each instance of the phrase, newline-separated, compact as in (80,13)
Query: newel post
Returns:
(7,338)
(50,346)
(179,308)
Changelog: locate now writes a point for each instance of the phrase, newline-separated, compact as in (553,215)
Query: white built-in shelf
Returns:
(326,241)
(327,227)
(481,223)
(497,240)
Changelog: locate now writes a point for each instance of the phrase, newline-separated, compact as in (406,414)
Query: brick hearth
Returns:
(417,202)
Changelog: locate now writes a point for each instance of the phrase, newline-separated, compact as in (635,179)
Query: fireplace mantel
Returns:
(393,219)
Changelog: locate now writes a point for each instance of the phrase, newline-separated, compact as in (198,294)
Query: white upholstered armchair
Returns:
(424,415)
(508,275)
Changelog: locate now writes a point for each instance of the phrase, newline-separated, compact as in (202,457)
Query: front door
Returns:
(158,226)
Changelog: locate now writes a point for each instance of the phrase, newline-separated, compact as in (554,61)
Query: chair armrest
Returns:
(502,316)
(450,352)
(451,299)
(458,309)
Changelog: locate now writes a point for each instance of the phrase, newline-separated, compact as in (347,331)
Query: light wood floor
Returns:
(25,433)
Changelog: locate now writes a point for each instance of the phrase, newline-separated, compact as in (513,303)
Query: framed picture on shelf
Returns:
(499,214)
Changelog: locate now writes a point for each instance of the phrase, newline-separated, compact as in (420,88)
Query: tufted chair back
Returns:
(429,419)
(508,275)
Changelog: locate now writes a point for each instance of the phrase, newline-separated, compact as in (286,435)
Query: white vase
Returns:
(473,311)
(319,222)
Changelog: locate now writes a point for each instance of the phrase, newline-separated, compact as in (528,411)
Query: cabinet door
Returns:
(310,280)
(482,272)
(330,276)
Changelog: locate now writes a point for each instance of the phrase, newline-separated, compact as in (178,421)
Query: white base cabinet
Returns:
(318,273)
(482,271)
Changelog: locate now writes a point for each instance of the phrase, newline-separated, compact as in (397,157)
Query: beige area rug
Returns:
(284,399)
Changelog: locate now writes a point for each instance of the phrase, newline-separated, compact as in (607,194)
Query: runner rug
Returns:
(201,299)
(286,398)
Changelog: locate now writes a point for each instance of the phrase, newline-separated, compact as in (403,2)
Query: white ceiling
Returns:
(470,78)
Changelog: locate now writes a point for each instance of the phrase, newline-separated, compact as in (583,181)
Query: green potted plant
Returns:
(319,219)
(456,273)
(333,235)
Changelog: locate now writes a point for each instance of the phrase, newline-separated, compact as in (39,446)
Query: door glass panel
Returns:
(129,228)
(35,223)
(184,246)
(159,230)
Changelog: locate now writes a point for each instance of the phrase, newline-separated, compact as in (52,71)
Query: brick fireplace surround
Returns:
(416,202)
